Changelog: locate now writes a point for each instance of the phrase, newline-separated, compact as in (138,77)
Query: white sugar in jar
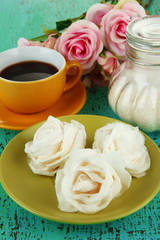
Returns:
(134,89)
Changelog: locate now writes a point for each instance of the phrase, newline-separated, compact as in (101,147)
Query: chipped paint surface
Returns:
(25,18)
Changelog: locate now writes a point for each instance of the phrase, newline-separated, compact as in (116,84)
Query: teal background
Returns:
(24,18)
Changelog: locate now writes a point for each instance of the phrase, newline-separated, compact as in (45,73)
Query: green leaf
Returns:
(63,24)
(47,32)
(114,2)
(41,38)
(44,37)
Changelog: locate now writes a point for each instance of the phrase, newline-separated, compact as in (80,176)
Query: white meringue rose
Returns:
(88,182)
(52,143)
(126,140)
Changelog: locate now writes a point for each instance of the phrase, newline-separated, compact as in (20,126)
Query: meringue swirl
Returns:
(89,181)
(127,141)
(52,144)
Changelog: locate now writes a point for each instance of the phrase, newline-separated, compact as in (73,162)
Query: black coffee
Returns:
(28,71)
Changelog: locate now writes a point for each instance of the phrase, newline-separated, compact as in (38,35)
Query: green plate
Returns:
(36,193)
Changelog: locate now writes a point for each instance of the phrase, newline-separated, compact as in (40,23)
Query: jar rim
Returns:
(144,33)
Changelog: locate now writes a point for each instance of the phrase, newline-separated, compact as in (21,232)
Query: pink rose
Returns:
(120,3)
(50,42)
(81,42)
(22,42)
(131,5)
(135,8)
(97,11)
(108,62)
(114,25)
(113,30)
(99,77)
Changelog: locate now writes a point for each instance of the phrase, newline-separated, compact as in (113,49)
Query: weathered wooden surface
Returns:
(24,18)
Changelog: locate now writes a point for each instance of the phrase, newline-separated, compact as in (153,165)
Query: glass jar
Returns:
(134,89)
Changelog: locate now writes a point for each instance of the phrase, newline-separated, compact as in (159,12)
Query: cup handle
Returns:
(72,80)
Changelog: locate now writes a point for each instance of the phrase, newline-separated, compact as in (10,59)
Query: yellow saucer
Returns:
(71,102)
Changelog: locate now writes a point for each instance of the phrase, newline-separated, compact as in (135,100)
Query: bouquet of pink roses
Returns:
(96,39)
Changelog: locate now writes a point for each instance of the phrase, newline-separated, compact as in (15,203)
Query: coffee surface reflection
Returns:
(28,71)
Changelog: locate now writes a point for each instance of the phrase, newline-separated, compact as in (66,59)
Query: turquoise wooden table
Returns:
(24,18)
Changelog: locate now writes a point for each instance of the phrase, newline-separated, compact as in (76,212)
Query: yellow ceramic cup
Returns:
(38,95)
